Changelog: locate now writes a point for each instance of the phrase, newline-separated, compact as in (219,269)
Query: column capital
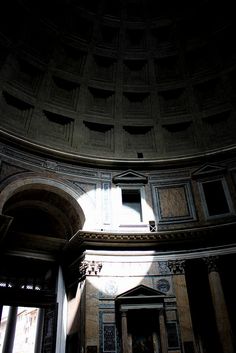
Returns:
(162,312)
(177,267)
(91,268)
(124,313)
(212,263)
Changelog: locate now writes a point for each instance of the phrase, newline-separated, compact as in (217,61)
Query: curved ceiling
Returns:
(42,221)
(118,81)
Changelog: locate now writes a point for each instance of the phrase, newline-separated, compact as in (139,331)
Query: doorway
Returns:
(143,330)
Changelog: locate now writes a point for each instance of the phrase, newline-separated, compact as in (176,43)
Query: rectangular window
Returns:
(172,333)
(215,198)
(131,206)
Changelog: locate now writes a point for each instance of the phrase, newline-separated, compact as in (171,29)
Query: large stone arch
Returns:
(80,205)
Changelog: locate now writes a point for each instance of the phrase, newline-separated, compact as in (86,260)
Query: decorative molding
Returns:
(130,177)
(167,198)
(139,293)
(51,165)
(86,160)
(208,170)
(163,285)
(211,235)
(163,267)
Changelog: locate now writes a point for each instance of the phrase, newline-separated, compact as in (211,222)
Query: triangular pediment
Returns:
(140,291)
(207,170)
(140,297)
(129,177)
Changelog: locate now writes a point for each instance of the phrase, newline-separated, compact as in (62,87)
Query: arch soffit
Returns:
(25,181)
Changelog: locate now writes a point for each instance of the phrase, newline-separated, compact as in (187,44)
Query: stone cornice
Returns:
(183,239)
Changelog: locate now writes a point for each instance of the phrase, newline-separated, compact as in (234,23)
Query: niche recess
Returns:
(100,101)
(210,94)
(219,128)
(59,128)
(103,68)
(58,118)
(168,69)
(64,92)
(179,136)
(138,138)
(18,113)
(173,102)
(135,39)
(71,59)
(135,71)
(98,136)
(26,76)
(136,104)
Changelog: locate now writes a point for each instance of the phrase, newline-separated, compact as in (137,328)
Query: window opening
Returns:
(131,206)
(215,198)
(25,331)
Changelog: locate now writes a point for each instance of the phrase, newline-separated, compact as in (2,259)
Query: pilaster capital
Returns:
(124,313)
(212,263)
(162,312)
(91,268)
(177,267)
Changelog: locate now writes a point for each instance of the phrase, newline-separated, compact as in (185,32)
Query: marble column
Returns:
(10,330)
(177,267)
(220,308)
(39,331)
(1,307)
(163,333)
(130,343)
(155,342)
(124,330)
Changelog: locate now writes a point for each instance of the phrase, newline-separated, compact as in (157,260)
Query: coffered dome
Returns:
(118,81)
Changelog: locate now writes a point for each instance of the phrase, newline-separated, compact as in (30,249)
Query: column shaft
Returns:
(178,269)
(221,313)
(124,328)
(1,307)
(39,331)
(163,333)
(183,308)
(10,330)
(155,342)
